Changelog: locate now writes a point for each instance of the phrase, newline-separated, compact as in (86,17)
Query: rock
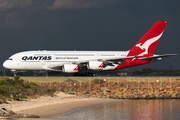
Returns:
(156,95)
(177,89)
(105,90)
(170,92)
(168,96)
(124,96)
(130,96)
(115,97)
(120,96)
(136,96)
(93,96)
(163,96)
(120,89)
(164,91)
(173,96)
(108,96)
(141,96)
(178,95)
(124,89)
(104,97)
(10,113)
(146,96)
(152,96)
(99,96)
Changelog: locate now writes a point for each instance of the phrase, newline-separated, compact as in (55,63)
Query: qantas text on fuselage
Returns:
(71,61)
(36,58)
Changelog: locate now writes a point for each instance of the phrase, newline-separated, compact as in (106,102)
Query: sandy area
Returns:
(59,98)
(47,106)
(62,108)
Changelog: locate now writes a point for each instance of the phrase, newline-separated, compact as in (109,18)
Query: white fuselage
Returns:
(40,60)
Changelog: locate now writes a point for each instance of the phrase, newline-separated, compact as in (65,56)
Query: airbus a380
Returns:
(73,61)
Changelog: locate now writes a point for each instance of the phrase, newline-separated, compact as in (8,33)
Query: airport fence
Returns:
(111,83)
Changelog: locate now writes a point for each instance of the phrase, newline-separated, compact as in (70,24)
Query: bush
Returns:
(23,97)
(18,89)
(51,91)
(16,95)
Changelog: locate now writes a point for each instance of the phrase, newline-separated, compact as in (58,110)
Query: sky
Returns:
(105,25)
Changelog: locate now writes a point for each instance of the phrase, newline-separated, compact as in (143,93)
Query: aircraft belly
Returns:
(30,66)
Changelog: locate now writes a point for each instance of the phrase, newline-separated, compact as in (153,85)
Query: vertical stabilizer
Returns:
(148,43)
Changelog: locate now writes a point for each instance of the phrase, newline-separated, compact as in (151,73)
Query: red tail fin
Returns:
(148,43)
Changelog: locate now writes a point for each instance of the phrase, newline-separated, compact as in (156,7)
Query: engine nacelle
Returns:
(95,65)
(70,68)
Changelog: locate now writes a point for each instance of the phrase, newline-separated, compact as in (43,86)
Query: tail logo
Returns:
(145,45)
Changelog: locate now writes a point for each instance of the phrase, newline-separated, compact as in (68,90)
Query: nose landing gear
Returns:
(15,72)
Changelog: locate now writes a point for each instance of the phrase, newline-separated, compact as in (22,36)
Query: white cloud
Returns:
(9,4)
(73,4)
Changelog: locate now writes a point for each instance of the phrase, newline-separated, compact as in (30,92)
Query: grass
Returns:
(108,79)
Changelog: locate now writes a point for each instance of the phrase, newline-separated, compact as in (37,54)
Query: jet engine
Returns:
(70,68)
(95,65)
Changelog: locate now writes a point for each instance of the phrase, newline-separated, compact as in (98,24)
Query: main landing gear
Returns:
(46,74)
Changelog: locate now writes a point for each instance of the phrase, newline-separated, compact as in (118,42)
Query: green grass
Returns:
(108,79)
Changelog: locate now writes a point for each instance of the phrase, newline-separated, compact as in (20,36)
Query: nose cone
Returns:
(6,64)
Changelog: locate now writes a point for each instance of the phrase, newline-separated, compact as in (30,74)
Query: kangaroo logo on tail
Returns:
(145,45)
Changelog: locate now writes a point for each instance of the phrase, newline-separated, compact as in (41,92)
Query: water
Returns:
(133,109)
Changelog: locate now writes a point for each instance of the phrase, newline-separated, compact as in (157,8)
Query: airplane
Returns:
(75,61)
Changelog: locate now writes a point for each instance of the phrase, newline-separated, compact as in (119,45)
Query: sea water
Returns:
(166,109)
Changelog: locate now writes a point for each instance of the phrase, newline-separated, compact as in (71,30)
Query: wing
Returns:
(107,61)
(157,57)
(116,60)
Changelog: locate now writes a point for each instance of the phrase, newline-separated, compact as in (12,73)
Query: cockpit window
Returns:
(10,59)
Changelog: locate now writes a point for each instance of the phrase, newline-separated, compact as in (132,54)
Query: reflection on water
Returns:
(128,110)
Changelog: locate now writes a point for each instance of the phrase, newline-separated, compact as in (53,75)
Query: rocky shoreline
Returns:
(96,89)
(10,114)
(119,90)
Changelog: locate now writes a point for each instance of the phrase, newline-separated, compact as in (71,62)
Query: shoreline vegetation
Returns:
(17,89)
(20,95)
